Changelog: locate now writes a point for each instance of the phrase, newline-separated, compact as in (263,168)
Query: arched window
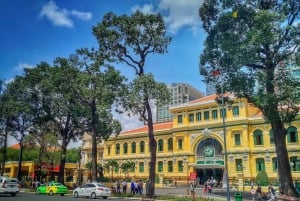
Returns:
(160,145)
(118,148)
(258,137)
(170,144)
(142,146)
(292,134)
(133,148)
(125,148)
(260,164)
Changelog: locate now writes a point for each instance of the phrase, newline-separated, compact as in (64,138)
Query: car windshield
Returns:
(100,185)
(12,180)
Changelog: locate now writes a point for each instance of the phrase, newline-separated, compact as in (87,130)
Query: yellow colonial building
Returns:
(192,145)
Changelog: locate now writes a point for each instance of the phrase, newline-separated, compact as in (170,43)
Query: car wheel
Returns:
(51,193)
(62,194)
(105,197)
(38,192)
(75,194)
(13,194)
(93,195)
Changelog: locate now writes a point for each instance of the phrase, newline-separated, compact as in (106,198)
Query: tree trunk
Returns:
(4,152)
(20,157)
(94,142)
(61,174)
(284,168)
(153,147)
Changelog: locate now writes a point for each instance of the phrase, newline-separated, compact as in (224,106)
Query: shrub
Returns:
(262,178)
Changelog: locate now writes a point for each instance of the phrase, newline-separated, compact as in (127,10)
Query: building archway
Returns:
(209,160)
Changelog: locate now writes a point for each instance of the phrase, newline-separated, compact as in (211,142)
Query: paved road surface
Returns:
(182,191)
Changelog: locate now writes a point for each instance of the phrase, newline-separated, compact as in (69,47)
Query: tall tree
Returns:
(4,126)
(251,42)
(130,39)
(100,85)
(61,110)
(23,112)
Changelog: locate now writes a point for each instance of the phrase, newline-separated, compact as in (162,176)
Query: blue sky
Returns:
(41,30)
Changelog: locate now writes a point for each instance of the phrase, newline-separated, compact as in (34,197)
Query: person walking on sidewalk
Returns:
(193,190)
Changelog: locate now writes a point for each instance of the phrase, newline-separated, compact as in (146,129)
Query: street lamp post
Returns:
(225,143)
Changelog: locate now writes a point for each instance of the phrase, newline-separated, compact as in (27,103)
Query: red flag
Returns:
(216,73)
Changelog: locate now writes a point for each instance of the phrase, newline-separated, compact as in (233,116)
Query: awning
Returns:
(207,166)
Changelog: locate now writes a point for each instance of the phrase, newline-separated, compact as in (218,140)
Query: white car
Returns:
(9,186)
(92,190)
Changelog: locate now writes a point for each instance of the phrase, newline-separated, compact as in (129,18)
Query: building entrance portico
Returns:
(209,161)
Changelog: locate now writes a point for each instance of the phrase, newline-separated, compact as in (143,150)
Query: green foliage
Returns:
(72,155)
(12,154)
(262,178)
(129,40)
(99,88)
(242,48)
(254,45)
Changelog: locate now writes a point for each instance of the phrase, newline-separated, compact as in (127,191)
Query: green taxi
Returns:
(52,188)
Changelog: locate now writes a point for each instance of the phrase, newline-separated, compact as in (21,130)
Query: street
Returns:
(180,191)
(23,196)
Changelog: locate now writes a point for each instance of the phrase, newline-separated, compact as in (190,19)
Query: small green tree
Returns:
(262,178)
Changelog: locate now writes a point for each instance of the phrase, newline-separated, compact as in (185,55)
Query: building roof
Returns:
(15,146)
(204,99)
(144,129)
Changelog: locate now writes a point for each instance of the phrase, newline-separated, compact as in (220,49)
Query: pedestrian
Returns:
(118,187)
(192,186)
(205,188)
(258,192)
(197,181)
(209,188)
(147,187)
(124,186)
(271,190)
(132,187)
(140,187)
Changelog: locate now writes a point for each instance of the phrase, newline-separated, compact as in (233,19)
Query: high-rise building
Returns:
(180,93)
(210,88)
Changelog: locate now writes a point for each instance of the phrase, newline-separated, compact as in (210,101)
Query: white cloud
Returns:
(131,121)
(62,17)
(181,13)
(21,66)
(82,15)
(146,8)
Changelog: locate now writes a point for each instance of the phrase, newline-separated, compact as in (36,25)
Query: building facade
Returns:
(180,93)
(192,145)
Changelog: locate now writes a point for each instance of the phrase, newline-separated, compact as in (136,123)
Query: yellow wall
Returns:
(192,133)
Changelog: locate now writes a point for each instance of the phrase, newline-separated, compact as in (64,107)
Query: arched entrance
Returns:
(209,160)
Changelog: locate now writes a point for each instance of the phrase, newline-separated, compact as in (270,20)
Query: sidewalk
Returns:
(185,192)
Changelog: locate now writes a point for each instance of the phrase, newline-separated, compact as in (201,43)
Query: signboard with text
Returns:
(193,175)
